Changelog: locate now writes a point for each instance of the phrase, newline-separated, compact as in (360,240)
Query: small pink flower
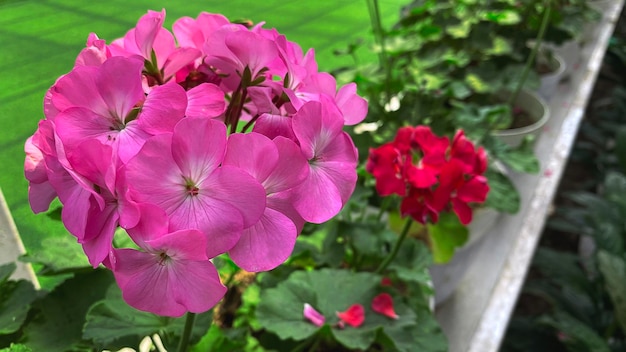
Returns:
(313,316)
(353,316)
(383,304)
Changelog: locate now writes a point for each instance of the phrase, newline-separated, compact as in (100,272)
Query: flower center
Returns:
(190,188)
(163,258)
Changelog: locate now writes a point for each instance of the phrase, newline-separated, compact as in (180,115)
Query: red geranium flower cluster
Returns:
(430,173)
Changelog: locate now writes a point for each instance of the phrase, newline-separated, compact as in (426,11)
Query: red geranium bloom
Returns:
(430,173)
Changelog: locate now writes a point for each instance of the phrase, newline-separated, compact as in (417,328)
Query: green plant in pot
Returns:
(443,65)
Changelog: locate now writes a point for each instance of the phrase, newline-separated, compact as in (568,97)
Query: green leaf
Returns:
(522,159)
(503,17)
(215,340)
(6,270)
(476,83)
(58,254)
(446,236)
(620,147)
(613,269)
(15,300)
(328,291)
(412,262)
(576,334)
(60,317)
(501,46)
(460,90)
(112,323)
(461,30)
(503,195)
(16,348)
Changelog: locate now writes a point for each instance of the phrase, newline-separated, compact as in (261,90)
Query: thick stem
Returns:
(184,340)
(396,247)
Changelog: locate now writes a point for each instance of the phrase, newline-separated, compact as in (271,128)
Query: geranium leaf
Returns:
(112,323)
(503,195)
(58,323)
(16,348)
(412,262)
(576,333)
(446,236)
(15,300)
(613,269)
(328,291)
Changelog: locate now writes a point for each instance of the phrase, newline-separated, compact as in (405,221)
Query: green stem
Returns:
(231,277)
(396,247)
(379,36)
(383,207)
(184,340)
(533,53)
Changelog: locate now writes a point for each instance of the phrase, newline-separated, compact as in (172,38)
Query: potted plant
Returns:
(188,174)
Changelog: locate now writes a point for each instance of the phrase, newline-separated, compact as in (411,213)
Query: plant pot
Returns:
(550,81)
(570,53)
(537,110)
(446,277)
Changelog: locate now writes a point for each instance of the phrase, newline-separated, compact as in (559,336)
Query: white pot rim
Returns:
(561,69)
(532,127)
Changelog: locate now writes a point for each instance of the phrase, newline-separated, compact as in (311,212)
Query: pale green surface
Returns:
(39,41)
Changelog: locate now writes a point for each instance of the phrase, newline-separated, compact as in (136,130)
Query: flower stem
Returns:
(183,345)
(533,52)
(396,247)
(379,37)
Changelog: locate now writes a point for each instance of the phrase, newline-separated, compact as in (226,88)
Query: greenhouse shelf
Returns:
(475,317)
(11,246)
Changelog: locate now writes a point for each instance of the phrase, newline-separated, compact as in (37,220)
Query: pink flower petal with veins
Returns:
(173,276)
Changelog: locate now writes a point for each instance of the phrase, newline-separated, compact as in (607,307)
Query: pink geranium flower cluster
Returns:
(216,138)
(430,173)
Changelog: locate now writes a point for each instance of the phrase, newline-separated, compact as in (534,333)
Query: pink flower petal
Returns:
(163,108)
(353,107)
(205,100)
(353,316)
(383,304)
(198,146)
(119,83)
(253,153)
(146,31)
(313,316)
(266,244)
(169,280)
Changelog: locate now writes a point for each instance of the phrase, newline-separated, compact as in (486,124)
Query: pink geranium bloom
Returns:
(98,102)
(279,166)
(193,33)
(332,161)
(353,316)
(172,275)
(108,207)
(233,48)
(181,174)
(353,107)
(151,41)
